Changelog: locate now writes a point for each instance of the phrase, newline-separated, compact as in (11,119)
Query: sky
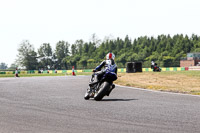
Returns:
(50,21)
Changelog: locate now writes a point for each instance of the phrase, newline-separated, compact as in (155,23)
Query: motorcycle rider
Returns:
(155,67)
(109,66)
(152,64)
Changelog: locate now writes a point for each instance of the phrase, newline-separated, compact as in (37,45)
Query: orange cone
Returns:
(73,73)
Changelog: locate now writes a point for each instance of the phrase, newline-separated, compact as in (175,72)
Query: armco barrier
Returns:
(147,70)
(59,71)
(87,70)
(120,70)
(165,69)
(79,71)
(10,72)
(64,71)
(30,71)
(23,72)
(2,72)
(69,71)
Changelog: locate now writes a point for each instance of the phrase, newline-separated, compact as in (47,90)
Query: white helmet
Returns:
(110,56)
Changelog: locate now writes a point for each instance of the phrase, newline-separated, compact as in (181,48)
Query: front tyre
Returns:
(87,96)
(102,91)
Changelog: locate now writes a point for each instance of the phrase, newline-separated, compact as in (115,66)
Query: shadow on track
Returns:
(118,99)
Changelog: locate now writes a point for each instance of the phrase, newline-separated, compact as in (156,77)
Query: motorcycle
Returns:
(156,68)
(100,85)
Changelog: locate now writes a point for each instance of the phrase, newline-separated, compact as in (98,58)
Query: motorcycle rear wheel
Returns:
(102,91)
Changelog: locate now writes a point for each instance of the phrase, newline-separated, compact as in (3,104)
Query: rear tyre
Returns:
(102,91)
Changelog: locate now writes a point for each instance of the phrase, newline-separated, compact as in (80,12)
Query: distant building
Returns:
(193,59)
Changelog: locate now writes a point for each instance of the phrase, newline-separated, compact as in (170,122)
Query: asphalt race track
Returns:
(57,105)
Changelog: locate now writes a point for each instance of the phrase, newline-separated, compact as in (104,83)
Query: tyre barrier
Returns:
(133,67)
(130,68)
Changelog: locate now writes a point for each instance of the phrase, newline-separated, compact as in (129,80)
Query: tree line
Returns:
(163,49)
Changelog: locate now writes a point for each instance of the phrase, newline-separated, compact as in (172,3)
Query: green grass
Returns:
(187,73)
(170,81)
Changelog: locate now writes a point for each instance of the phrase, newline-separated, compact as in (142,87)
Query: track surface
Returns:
(56,105)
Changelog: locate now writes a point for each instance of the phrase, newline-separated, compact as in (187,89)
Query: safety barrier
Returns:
(120,70)
(166,69)
(194,68)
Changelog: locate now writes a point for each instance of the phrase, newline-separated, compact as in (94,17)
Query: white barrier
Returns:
(194,68)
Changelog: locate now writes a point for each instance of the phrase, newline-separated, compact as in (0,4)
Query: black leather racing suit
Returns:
(109,65)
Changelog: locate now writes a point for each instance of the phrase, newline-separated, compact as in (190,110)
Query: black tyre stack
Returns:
(133,67)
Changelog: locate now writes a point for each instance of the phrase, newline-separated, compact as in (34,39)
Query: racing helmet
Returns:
(110,56)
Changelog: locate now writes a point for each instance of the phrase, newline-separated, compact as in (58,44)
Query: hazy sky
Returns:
(49,21)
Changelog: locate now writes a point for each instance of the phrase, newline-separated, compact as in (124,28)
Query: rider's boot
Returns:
(112,87)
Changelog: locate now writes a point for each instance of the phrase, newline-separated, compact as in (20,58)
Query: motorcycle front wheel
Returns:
(87,95)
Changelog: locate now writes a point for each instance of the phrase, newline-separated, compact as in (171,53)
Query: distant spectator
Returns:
(16,73)
(55,71)
(152,64)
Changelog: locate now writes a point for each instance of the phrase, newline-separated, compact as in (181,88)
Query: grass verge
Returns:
(179,82)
